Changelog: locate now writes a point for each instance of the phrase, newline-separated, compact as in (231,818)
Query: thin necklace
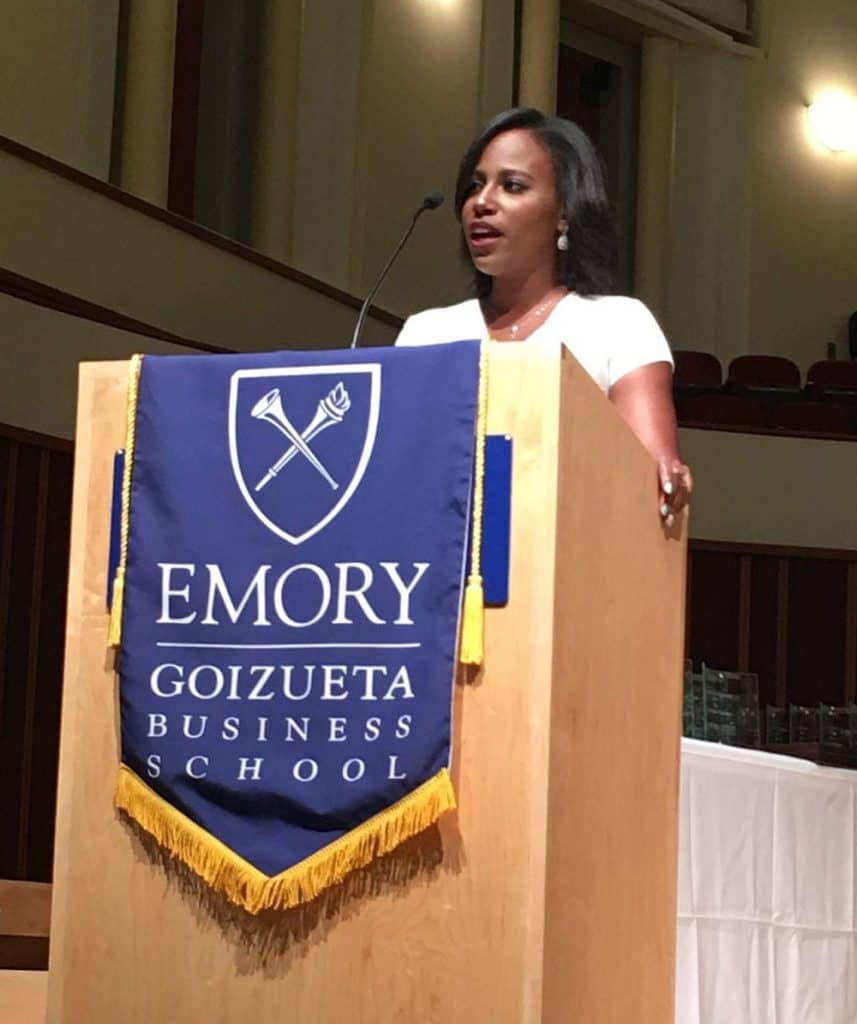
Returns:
(535,313)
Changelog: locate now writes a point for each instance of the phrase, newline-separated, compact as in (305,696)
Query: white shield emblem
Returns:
(300,440)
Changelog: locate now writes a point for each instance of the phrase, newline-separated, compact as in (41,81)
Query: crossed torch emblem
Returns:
(330,410)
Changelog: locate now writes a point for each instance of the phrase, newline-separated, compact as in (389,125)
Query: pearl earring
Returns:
(562,241)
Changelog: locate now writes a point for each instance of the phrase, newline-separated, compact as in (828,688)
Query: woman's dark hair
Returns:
(589,265)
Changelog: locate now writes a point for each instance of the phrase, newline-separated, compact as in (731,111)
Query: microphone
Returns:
(430,202)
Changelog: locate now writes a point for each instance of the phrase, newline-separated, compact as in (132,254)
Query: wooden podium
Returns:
(554,898)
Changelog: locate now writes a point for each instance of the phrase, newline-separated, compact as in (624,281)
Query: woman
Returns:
(536,223)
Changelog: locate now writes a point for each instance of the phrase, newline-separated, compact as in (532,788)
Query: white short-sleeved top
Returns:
(609,335)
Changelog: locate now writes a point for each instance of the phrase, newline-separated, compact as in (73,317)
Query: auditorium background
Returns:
(211,175)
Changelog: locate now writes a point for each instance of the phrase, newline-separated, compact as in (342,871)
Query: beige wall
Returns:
(39,354)
(382,99)
(57,73)
(761,489)
(764,220)
(144,88)
(372,103)
(89,246)
(431,71)
(321,190)
(708,288)
(803,279)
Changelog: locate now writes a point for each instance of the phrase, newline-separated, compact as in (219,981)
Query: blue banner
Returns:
(292,585)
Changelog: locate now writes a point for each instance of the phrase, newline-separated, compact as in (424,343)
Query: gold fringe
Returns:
(114,631)
(473,615)
(248,887)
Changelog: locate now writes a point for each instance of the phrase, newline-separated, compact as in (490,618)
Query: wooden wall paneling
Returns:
(35,486)
(8,482)
(30,677)
(8,478)
(15,654)
(850,687)
(745,580)
(714,609)
(816,631)
(782,630)
(35,500)
(51,645)
(8,432)
(776,550)
(24,953)
(763,627)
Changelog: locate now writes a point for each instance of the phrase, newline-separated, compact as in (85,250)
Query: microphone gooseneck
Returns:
(430,202)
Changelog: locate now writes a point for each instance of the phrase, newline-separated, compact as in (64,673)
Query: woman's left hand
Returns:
(676,487)
(644,400)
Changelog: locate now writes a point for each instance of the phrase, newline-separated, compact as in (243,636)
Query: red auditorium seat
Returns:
(833,375)
(775,372)
(722,411)
(811,417)
(697,369)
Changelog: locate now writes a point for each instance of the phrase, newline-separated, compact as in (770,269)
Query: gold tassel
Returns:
(114,631)
(473,623)
(227,872)
(472,647)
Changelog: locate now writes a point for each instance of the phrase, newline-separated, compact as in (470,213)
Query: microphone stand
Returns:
(431,202)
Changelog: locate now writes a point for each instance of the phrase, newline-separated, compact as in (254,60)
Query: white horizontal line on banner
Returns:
(283,647)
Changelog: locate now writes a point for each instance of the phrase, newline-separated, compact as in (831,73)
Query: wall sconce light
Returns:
(833,117)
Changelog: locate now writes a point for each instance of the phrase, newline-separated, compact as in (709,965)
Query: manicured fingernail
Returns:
(668,487)
(670,520)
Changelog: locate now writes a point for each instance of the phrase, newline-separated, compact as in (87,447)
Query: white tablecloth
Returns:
(766,923)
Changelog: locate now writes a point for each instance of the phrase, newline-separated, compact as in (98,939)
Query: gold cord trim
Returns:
(473,614)
(114,633)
